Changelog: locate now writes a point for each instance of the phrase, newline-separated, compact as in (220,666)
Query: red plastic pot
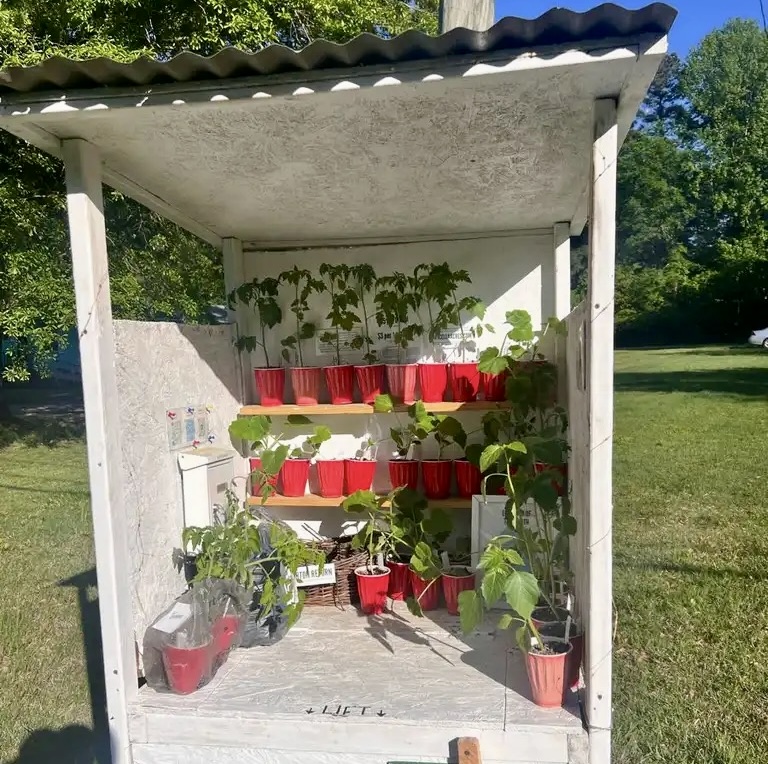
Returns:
(453,586)
(293,476)
(426,592)
(270,384)
(546,674)
(186,668)
(401,379)
(436,475)
(372,589)
(226,629)
(330,475)
(399,580)
(404,472)
(433,379)
(358,475)
(370,380)
(255,464)
(341,383)
(305,381)
(464,380)
(559,486)
(469,479)
(494,385)
(573,661)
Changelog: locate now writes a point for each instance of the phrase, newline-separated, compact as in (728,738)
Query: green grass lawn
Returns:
(691,545)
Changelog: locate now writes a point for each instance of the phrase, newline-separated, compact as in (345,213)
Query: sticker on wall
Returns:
(450,342)
(188,426)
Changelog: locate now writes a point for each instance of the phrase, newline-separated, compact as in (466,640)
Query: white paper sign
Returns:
(174,619)
(311,575)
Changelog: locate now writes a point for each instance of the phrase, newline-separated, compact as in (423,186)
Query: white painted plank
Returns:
(97,354)
(602,249)
(234,276)
(562,269)
(470,14)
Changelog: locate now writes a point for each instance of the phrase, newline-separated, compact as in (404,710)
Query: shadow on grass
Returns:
(621,561)
(742,381)
(77,744)
(732,350)
(40,431)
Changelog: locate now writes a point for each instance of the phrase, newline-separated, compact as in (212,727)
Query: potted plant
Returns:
(404,469)
(261,296)
(305,380)
(359,471)
(258,557)
(463,375)
(447,431)
(295,471)
(340,377)
(432,281)
(469,477)
(456,579)
(268,453)
(188,661)
(396,302)
(370,377)
(375,537)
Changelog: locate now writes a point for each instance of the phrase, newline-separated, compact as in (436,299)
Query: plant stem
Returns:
(264,342)
(461,329)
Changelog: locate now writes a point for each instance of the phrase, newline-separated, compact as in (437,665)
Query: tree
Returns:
(157,270)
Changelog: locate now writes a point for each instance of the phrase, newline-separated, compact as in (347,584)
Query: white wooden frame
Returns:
(97,354)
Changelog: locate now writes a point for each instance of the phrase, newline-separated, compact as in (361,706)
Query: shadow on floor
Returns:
(741,381)
(627,563)
(78,744)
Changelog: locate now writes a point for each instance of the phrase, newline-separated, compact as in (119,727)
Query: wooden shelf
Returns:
(313,500)
(444,407)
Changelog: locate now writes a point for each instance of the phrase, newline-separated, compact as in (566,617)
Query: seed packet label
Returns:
(174,619)
(311,575)
(188,426)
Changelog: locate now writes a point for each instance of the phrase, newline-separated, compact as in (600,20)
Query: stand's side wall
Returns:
(163,366)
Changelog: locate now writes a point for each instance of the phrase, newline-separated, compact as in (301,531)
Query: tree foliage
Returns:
(157,270)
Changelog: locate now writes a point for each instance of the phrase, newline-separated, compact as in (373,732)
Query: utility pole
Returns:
(471,14)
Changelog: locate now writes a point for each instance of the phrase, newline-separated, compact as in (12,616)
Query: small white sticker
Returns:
(174,619)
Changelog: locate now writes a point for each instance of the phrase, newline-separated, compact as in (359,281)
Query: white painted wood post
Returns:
(602,252)
(470,14)
(562,269)
(234,276)
(97,355)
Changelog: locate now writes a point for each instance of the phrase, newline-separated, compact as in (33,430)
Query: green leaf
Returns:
(473,452)
(470,610)
(521,592)
(521,637)
(506,621)
(414,607)
(298,419)
(493,585)
(566,525)
(383,404)
(273,459)
(490,456)
(438,523)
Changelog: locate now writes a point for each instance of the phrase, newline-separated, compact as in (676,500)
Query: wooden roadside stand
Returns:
(487,147)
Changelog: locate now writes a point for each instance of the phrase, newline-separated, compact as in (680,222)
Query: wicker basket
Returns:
(344,592)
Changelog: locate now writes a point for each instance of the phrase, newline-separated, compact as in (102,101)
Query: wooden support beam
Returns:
(600,296)
(470,14)
(469,750)
(234,275)
(97,356)
(562,269)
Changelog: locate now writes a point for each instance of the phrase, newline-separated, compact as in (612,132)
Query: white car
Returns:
(760,337)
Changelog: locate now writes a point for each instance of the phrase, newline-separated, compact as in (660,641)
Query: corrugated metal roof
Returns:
(556,27)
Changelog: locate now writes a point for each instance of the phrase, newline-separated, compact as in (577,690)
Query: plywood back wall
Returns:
(507,272)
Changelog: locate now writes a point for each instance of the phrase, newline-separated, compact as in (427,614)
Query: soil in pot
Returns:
(370,380)
(340,381)
(399,580)
(436,475)
(293,477)
(187,668)
(372,586)
(433,379)
(494,385)
(546,673)
(469,479)
(426,592)
(464,381)
(456,581)
(544,615)
(401,380)
(270,386)
(330,476)
(306,381)
(404,472)
(358,475)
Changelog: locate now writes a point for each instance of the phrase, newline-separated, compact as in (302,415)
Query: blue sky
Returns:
(695,17)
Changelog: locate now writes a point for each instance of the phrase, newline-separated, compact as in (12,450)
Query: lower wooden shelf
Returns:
(313,500)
